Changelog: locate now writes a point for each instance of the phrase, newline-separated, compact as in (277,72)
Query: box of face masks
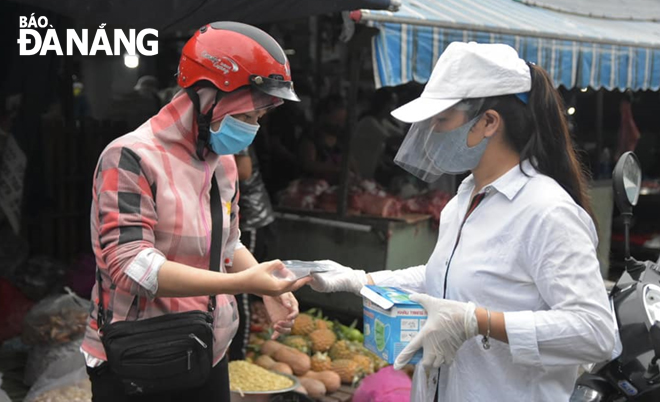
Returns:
(391,321)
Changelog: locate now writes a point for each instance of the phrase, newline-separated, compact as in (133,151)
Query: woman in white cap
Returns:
(513,290)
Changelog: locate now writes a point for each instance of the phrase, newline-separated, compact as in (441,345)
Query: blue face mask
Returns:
(232,136)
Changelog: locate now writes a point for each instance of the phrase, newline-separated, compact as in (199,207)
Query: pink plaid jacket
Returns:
(151,202)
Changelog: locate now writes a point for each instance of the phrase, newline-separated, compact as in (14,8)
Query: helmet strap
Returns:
(203,120)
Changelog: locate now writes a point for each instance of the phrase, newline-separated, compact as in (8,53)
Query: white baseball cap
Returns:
(468,70)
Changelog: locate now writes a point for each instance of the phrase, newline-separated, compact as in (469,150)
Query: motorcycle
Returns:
(633,373)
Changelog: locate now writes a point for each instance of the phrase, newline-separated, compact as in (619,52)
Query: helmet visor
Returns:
(275,87)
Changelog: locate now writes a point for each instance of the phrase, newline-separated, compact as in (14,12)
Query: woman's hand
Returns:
(339,279)
(449,324)
(260,279)
(282,311)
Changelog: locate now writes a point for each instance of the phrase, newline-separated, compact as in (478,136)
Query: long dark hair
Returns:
(538,131)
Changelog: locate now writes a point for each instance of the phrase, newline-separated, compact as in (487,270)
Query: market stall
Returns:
(590,44)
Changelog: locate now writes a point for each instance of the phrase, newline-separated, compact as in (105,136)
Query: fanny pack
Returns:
(169,352)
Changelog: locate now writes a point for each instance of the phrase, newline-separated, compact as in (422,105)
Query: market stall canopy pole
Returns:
(612,51)
(173,15)
(356,50)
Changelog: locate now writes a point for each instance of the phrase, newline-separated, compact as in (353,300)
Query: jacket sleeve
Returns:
(126,218)
(576,325)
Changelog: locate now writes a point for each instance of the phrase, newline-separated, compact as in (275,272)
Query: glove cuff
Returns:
(359,281)
(470,320)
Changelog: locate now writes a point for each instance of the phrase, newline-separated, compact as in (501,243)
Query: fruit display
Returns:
(314,388)
(364,363)
(303,325)
(323,354)
(330,379)
(298,342)
(247,377)
(322,340)
(321,362)
(349,371)
(299,362)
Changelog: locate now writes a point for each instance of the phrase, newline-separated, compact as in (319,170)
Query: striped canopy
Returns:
(577,51)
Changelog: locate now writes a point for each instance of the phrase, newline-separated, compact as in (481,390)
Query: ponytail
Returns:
(539,132)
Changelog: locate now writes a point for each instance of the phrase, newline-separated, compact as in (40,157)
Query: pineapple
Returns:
(297,342)
(324,324)
(303,325)
(378,362)
(322,340)
(342,350)
(348,370)
(365,363)
(321,362)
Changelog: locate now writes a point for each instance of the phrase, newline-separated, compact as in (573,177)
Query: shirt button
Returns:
(227,260)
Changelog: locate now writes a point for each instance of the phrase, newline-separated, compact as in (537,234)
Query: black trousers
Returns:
(106,387)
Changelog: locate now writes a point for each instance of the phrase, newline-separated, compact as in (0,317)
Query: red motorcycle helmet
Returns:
(232,55)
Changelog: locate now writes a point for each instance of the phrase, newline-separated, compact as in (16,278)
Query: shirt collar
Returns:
(508,184)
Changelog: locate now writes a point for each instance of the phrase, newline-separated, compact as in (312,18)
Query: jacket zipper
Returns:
(189,355)
(202,209)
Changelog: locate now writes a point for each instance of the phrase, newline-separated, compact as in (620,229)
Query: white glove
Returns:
(449,324)
(338,279)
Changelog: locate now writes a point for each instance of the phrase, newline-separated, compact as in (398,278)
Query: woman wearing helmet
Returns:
(152,208)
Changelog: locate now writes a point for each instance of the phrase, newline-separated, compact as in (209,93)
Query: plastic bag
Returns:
(72,387)
(64,378)
(56,319)
(296,269)
(67,356)
(310,266)
(387,385)
(423,385)
(3,395)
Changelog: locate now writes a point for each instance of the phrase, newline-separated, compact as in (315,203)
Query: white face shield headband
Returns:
(428,153)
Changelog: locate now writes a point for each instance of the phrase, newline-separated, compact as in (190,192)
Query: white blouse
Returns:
(529,251)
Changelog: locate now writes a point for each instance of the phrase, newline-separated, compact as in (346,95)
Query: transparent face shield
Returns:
(429,151)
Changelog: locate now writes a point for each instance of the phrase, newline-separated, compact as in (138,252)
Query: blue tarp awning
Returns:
(577,50)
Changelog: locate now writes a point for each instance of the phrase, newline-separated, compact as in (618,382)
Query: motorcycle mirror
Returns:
(627,181)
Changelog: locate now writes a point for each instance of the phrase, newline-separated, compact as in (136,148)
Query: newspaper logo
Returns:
(31,42)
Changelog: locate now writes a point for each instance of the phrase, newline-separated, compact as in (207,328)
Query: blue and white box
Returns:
(391,321)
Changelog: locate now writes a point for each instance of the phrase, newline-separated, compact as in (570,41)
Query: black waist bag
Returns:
(160,354)
(168,352)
